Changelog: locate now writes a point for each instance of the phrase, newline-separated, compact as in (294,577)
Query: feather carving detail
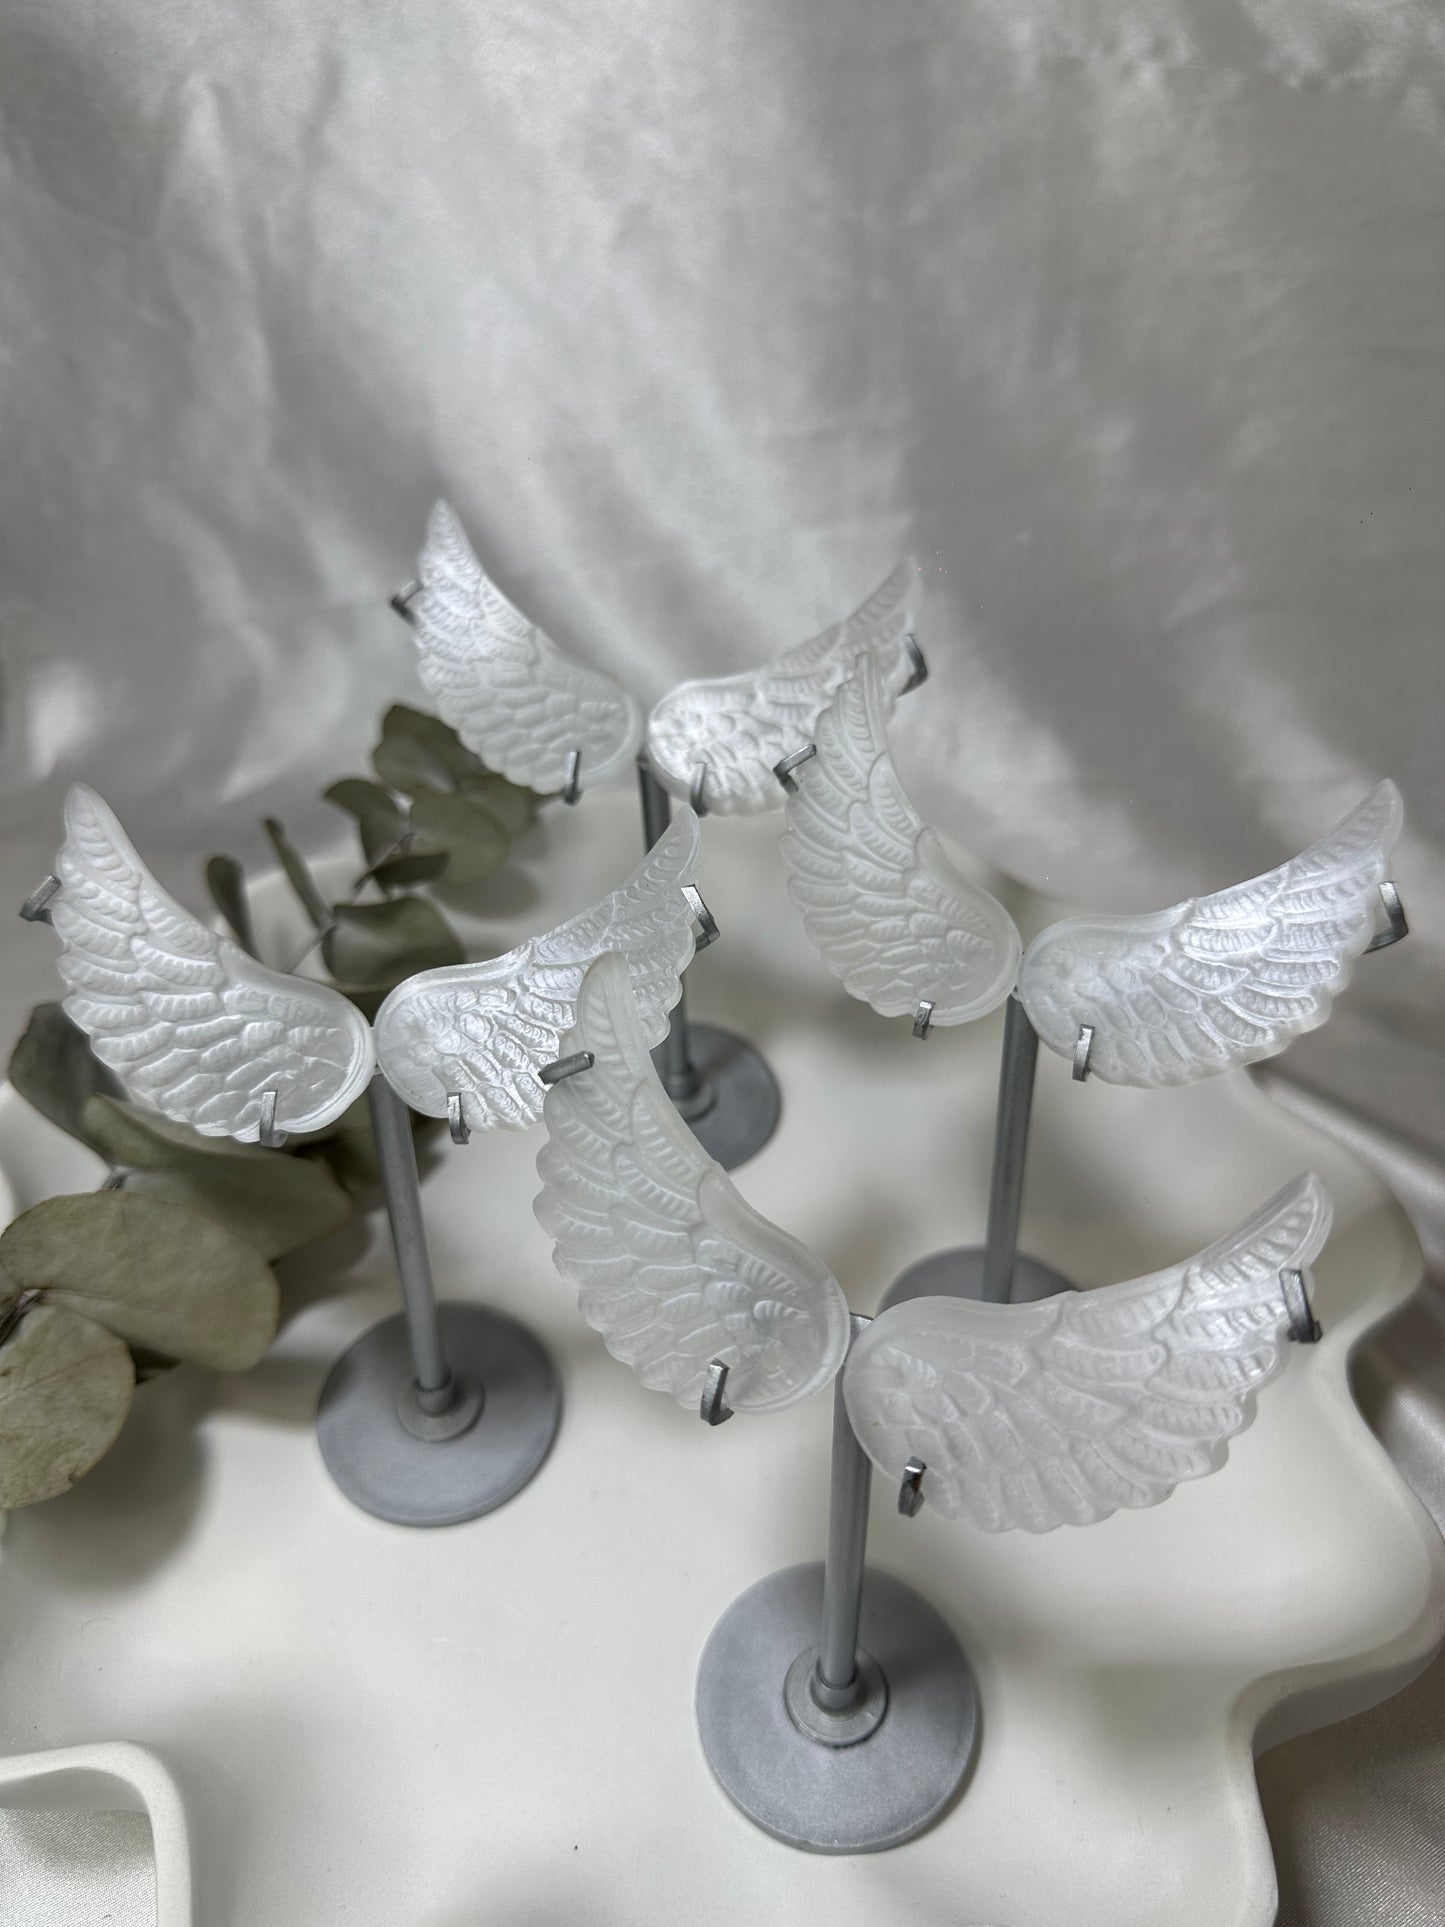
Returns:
(1066,1410)
(1222,980)
(513,696)
(671,1265)
(189,1023)
(737,727)
(891,916)
(484,1030)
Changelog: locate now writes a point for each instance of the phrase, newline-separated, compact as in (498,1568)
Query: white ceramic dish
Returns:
(69,1788)
(495,1720)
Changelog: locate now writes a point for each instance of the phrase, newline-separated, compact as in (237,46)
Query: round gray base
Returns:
(873,1794)
(387,1470)
(959,1274)
(745,1103)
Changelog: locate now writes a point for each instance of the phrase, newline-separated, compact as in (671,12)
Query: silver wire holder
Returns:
(919,661)
(457,1119)
(910,1488)
(1304,1328)
(681,1079)
(713,1408)
(36,907)
(435,1391)
(403,599)
(267,1135)
(707,930)
(839,1685)
(1017,1066)
(572,789)
(923,1019)
(784,767)
(580,1060)
(1397,927)
(1083,1050)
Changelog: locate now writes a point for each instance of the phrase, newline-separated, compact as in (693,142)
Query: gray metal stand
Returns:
(437,1414)
(721,1086)
(994,1271)
(834,1706)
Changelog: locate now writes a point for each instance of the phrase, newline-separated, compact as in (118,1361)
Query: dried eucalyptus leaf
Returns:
(65,1388)
(416,866)
(226,881)
(475,842)
(298,875)
(377,945)
(276,1203)
(158,1274)
(420,751)
(53,1069)
(513,807)
(360,797)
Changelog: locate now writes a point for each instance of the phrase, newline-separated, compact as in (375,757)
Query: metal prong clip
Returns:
(919,671)
(267,1135)
(572,789)
(580,1060)
(1304,1327)
(707,930)
(457,1119)
(713,1408)
(1083,1050)
(1397,925)
(695,791)
(403,599)
(35,908)
(910,1489)
(923,1019)
(783,769)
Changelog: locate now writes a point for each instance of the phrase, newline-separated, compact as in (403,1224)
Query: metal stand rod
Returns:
(1010,1151)
(680,1077)
(436,1390)
(838,1685)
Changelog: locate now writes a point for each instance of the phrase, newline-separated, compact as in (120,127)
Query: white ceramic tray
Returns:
(494,1721)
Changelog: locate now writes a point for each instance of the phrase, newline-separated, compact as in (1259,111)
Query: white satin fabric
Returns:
(1125,318)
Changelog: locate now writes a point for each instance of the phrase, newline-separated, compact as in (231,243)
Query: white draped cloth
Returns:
(1125,319)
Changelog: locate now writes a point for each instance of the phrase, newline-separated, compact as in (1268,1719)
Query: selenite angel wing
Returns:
(1216,981)
(188,1022)
(515,699)
(484,1030)
(670,1265)
(1061,1412)
(890,915)
(735,728)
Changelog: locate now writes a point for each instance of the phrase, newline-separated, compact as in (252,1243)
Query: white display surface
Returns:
(494,1721)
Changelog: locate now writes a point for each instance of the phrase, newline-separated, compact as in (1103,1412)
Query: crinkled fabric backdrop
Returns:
(1126,320)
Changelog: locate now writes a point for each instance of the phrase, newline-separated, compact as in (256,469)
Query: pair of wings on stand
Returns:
(540,717)
(1168,997)
(205,1034)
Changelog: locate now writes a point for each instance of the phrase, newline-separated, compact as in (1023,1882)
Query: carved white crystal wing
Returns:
(891,916)
(1217,981)
(735,728)
(187,1021)
(671,1266)
(509,692)
(1063,1411)
(484,1030)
